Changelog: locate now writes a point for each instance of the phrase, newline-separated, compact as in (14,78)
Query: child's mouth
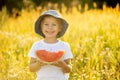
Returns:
(49,32)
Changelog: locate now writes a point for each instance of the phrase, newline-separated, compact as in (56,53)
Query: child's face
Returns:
(50,27)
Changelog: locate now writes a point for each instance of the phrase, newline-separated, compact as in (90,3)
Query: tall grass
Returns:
(93,36)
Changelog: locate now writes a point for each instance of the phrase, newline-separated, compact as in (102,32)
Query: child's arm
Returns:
(65,65)
(35,64)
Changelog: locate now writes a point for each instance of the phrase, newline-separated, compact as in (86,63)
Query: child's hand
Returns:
(59,63)
(64,65)
(40,62)
(35,64)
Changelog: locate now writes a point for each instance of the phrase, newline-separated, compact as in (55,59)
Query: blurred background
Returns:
(14,6)
(93,35)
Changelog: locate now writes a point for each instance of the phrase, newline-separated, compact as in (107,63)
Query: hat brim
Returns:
(38,29)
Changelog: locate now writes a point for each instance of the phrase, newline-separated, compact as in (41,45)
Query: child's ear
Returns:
(60,28)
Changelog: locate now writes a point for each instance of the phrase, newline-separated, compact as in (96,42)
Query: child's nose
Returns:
(50,26)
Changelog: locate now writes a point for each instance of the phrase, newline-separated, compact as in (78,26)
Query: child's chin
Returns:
(50,36)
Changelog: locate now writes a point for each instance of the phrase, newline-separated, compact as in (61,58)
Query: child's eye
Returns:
(46,24)
(54,24)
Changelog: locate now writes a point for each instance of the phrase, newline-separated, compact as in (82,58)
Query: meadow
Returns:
(94,37)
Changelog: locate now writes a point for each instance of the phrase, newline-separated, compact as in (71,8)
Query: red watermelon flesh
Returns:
(49,57)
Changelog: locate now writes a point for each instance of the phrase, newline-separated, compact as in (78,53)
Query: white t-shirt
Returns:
(51,72)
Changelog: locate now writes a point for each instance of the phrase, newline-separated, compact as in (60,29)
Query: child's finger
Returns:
(55,63)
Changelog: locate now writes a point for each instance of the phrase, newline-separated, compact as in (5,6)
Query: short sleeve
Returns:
(68,53)
(32,51)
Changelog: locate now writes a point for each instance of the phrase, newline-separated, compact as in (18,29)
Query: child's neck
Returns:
(53,40)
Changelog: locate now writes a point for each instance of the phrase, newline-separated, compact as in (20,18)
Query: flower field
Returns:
(94,37)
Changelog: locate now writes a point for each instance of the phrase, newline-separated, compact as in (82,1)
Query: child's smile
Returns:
(47,32)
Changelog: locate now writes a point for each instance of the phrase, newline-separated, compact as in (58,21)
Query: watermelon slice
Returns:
(49,57)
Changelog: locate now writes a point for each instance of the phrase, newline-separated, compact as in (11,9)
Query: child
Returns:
(51,26)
